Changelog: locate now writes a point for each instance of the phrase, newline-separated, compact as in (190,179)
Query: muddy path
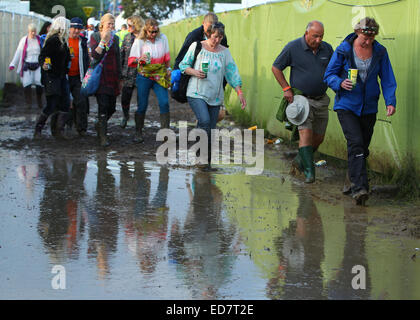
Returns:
(125,227)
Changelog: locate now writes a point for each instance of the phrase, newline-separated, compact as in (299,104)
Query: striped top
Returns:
(159,50)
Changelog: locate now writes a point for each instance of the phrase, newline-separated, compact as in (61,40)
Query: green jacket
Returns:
(281,116)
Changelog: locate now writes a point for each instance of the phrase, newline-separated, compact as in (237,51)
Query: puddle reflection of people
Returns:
(103,220)
(61,220)
(146,225)
(28,174)
(356,220)
(201,249)
(300,252)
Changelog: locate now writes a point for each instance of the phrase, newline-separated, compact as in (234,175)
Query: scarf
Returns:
(25,47)
(155,72)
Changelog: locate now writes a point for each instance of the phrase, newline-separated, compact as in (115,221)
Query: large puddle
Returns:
(134,230)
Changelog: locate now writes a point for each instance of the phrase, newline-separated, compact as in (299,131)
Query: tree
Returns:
(73,8)
(158,9)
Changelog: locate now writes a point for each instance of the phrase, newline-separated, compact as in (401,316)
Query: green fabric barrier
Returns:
(257,35)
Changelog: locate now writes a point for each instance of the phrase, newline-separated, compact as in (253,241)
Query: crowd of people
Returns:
(138,57)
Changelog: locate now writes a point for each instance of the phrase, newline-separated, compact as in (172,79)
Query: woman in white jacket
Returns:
(25,61)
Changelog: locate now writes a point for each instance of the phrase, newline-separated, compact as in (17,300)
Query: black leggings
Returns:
(106,104)
(358,132)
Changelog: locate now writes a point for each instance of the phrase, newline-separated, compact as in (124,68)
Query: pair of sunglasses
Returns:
(154,31)
(369,30)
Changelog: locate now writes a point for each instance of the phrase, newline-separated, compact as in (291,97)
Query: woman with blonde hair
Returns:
(135,24)
(105,41)
(55,60)
(28,68)
(150,55)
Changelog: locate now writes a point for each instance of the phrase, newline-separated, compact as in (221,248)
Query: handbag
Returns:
(92,78)
(180,95)
(32,66)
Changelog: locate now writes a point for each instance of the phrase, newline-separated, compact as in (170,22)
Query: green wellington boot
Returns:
(307,156)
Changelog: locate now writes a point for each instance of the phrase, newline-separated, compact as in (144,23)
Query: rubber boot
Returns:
(39,96)
(102,130)
(53,124)
(62,119)
(40,123)
(297,165)
(164,120)
(138,135)
(307,156)
(126,116)
(28,96)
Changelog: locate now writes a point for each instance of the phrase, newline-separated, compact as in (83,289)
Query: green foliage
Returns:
(158,9)
(407,179)
(73,8)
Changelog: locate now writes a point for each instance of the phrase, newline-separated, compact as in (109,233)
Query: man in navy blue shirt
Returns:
(307,58)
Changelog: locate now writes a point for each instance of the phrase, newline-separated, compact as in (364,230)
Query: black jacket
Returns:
(59,54)
(193,36)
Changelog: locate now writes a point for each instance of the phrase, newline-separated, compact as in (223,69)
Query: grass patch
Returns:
(406,178)
(241,118)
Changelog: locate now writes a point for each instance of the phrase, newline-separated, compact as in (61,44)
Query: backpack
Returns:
(180,95)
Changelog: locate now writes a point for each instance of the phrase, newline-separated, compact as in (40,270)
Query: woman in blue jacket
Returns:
(356,106)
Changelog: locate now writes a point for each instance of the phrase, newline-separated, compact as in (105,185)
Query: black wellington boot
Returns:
(102,130)
(40,123)
(138,135)
(126,116)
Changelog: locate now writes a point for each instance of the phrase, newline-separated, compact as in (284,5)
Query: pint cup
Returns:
(352,75)
(205,67)
(149,58)
(48,62)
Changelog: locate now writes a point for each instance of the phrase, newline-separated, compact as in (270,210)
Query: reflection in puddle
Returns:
(133,229)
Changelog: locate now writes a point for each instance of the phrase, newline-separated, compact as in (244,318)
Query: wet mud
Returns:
(125,227)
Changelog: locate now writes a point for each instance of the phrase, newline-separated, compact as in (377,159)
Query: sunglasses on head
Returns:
(369,30)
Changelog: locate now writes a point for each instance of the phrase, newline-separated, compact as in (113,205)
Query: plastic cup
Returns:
(352,75)
(205,67)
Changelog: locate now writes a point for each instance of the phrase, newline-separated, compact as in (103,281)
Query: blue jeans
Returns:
(143,89)
(206,116)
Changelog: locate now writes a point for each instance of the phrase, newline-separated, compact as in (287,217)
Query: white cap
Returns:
(91,21)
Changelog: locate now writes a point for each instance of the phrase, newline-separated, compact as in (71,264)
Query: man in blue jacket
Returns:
(356,104)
